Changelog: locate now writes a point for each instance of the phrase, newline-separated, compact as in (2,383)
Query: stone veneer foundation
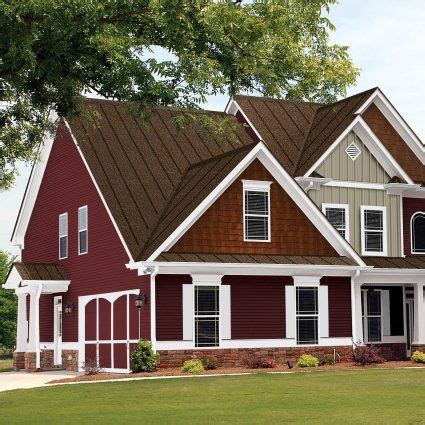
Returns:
(47,359)
(18,361)
(70,360)
(30,362)
(418,348)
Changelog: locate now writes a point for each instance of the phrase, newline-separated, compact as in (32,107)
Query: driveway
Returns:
(17,380)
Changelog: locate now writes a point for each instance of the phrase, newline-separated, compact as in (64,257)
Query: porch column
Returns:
(419,314)
(34,325)
(357,312)
(22,326)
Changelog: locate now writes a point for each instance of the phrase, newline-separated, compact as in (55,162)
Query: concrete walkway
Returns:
(18,380)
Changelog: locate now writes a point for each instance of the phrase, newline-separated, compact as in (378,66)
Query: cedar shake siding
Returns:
(220,229)
(257,306)
(394,143)
(410,207)
(339,292)
(66,186)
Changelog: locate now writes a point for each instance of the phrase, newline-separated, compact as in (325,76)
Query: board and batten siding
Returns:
(365,168)
(355,197)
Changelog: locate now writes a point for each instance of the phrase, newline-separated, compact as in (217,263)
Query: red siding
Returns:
(257,306)
(169,308)
(410,207)
(339,290)
(66,186)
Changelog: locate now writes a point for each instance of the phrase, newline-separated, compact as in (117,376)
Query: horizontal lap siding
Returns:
(339,295)
(410,207)
(66,186)
(220,229)
(257,306)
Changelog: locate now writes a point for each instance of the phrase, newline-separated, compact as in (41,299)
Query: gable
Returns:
(395,144)
(365,168)
(220,228)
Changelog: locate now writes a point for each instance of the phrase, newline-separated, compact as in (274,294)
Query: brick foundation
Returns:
(18,361)
(240,356)
(420,347)
(70,360)
(47,359)
(30,362)
(395,351)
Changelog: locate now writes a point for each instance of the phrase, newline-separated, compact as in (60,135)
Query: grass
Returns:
(371,396)
(6,364)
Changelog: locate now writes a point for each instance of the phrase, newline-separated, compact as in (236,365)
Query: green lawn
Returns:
(378,396)
(6,364)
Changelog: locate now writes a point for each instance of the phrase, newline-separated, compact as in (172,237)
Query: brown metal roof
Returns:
(408,262)
(255,258)
(142,166)
(40,271)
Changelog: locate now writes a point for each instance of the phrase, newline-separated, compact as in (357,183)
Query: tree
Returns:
(8,306)
(53,51)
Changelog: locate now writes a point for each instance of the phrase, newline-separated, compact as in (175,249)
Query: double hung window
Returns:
(307,315)
(207,316)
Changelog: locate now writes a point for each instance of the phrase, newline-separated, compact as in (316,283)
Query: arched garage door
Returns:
(109,329)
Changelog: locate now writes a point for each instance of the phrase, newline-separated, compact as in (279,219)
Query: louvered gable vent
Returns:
(353,151)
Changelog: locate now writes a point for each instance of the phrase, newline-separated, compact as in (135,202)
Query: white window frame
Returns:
(63,235)
(256,186)
(364,208)
(366,315)
(412,248)
(346,207)
(307,315)
(86,229)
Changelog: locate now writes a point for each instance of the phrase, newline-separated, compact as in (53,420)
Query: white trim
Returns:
(188,306)
(233,108)
(225,313)
(57,343)
(308,281)
(63,235)
(86,229)
(206,279)
(346,208)
(412,251)
(356,185)
(364,208)
(261,152)
(152,305)
(256,185)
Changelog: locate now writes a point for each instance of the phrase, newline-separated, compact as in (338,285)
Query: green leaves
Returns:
(54,51)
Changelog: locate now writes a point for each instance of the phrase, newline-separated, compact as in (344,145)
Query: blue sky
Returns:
(386,39)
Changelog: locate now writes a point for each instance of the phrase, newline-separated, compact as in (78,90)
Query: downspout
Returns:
(354,279)
(153,274)
(37,327)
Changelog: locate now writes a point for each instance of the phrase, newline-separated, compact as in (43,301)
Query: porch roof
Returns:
(408,262)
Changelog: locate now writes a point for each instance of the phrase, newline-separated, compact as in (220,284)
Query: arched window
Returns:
(418,233)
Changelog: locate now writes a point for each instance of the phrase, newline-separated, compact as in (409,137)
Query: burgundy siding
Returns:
(339,290)
(169,306)
(66,186)
(410,207)
(257,306)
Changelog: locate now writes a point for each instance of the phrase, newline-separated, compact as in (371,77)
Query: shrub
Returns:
(307,360)
(209,363)
(143,358)
(367,354)
(326,361)
(418,357)
(91,367)
(258,363)
(192,366)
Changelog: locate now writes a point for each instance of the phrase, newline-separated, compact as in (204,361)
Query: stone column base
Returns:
(47,359)
(418,347)
(30,362)
(70,360)
(18,360)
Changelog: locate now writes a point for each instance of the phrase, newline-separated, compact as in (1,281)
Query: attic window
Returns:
(353,151)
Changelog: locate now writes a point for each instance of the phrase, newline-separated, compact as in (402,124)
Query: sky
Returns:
(387,42)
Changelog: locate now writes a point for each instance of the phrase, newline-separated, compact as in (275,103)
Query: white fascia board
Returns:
(397,121)
(99,192)
(13,279)
(292,188)
(18,237)
(312,183)
(233,108)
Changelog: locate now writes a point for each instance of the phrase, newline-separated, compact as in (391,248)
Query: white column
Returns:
(419,314)
(34,325)
(152,305)
(356,306)
(22,326)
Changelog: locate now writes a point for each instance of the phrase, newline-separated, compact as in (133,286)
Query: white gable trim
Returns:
(397,121)
(378,150)
(233,108)
(306,205)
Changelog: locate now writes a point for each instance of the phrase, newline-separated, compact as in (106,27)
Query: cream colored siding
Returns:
(340,166)
(354,198)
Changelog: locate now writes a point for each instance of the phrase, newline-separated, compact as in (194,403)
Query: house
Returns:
(304,231)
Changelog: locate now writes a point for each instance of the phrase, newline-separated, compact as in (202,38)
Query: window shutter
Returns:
(386,319)
(323,312)
(290,311)
(188,307)
(225,314)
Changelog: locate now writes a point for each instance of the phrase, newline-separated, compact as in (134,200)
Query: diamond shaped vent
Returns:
(353,151)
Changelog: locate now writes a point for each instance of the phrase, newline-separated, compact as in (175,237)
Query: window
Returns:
(372,315)
(82,230)
(63,236)
(307,315)
(418,233)
(256,200)
(373,230)
(207,316)
(338,216)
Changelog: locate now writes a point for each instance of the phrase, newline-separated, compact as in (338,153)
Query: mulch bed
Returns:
(232,370)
